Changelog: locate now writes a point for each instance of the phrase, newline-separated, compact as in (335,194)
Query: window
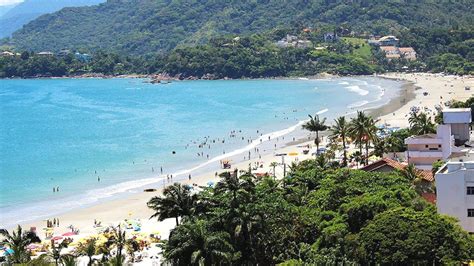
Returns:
(439,146)
(470,212)
(470,190)
(426,146)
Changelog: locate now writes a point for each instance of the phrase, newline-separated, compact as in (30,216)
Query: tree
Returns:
(340,129)
(118,239)
(68,260)
(357,128)
(193,243)
(364,130)
(17,242)
(274,165)
(421,123)
(411,173)
(176,202)
(370,135)
(403,236)
(87,248)
(315,125)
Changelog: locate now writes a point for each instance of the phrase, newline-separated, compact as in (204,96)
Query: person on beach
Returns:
(161,169)
(189,177)
(98,179)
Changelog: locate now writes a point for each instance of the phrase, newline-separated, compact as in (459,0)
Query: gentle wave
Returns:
(344,83)
(357,104)
(357,90)
(96,195)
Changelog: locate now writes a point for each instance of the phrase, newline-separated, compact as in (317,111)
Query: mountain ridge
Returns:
(26,11)
(145,26)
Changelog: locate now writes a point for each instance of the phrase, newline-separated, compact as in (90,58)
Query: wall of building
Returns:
(460,132)
(452,198)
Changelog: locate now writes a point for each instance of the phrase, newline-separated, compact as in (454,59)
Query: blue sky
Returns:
(9,2)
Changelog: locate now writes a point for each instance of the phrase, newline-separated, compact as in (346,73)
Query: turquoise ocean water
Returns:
(68,133)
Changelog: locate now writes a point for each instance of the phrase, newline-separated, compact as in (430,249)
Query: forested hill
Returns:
(28,10)
(147,26)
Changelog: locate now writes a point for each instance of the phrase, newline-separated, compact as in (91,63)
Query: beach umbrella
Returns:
(293,154)
(9,251)
(69,234)
(210,184)
(56,238)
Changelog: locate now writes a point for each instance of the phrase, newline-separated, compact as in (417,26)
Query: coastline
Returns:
(134,206)
(113,210)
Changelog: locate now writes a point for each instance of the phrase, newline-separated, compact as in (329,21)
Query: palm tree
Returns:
(357,157)
(421,123)
(370,135)
(119,240)
(176,202)
(420,185)
(17,241)
(274,165)
(364,130)
(117,260)
(315,125)
(87,249)
(357,128)
(55,252)
(68,260)
(341,130)
(195,243)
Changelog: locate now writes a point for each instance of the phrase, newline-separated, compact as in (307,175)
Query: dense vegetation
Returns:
(316,215)
(253,56)
(28,10)
(141,27)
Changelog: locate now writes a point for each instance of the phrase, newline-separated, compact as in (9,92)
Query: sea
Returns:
(92,140)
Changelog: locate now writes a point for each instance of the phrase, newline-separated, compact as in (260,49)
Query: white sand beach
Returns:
(439,88)
(430,90)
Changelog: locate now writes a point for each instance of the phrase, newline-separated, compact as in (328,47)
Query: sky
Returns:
(9,2)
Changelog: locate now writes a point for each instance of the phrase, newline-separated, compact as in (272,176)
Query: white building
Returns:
(455,192)
(459,120)
(424,150)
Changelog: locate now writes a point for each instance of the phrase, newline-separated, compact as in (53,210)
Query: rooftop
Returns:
(425,174)
(456,110)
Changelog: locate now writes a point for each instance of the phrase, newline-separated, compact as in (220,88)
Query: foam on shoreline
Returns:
(357,90)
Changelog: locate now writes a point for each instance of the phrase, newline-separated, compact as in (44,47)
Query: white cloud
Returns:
(9,2)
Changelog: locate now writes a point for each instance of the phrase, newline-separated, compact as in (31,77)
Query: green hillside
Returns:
(146,26)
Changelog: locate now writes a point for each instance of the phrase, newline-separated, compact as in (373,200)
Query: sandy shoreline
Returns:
(394,113)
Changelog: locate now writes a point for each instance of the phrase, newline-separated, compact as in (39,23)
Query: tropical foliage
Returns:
(142,27)
(176,202)
(316,125)
(316,216)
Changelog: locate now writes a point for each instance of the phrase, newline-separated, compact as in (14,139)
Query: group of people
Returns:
(52,223)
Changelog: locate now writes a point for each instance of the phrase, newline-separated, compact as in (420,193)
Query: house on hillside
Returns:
(407,53)
(393,52)
(388,41)
(455,192)
(64,52)
(384,41)
(45,53)
(7,54)
(83,57)
(331,37)
(293,41)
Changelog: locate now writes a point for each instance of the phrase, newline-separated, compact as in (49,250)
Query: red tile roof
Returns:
(425,174)
(430,197)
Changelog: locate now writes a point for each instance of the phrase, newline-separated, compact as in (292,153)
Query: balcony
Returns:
(424,154)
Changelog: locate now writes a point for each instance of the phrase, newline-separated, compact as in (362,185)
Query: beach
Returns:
(430,90)
(394,113)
